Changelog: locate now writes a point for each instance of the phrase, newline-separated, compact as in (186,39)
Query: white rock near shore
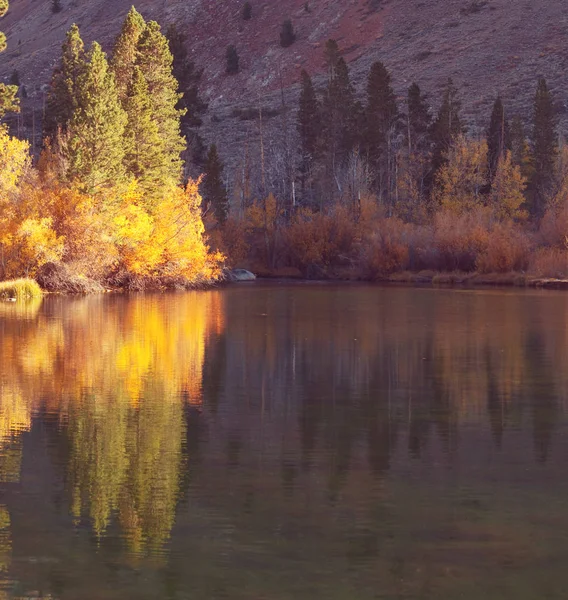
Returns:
(240,275)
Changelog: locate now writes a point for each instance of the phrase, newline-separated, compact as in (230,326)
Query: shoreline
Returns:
(420,279)
(432,278)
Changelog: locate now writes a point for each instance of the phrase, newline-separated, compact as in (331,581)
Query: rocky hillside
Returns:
(487,46)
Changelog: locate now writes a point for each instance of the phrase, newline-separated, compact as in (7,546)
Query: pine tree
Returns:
(419,120)
(8,93)
(143,145)
(287,35)
(15,78)
(247,11)
(155,61)
(381,119)
(331,58)
(213,190)
(416,176)
(232,58)
(544,147)
(339,120)
(188,77)
(56,6)
(447,125)
(95,148)
(125,52)
(62,95)
(308,125)
(498,137)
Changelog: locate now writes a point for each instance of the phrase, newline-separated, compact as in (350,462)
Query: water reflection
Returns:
(267,441)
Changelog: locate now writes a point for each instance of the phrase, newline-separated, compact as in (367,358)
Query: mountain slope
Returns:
(488,47)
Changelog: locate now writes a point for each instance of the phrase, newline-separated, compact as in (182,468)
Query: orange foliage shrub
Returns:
(386,249)
(320,239)
(231,240)
(460,238)
(553,229)
(506,249)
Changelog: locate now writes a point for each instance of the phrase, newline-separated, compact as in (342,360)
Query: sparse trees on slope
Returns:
(62,96)
(95,146)
(544,147)
(214,192)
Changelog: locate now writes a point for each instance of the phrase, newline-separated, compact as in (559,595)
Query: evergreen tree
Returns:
(232,58)
(15,78)
(339,120)
(331,58)
(62,95)
(447,125)
(188,77)
(247,11)
(498,137)
(8,93)
(125,52)
(95,147)
(213,190)
(308,125)
(544,147)
(287,35)
(155,61)
(56,6)
(419,120)
(143,144)
(381,118)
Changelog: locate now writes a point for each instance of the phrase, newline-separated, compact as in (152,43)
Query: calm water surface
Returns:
(272,442)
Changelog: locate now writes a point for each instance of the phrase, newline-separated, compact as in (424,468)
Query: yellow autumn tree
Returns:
(169,242)
(27,239)
(460,181)
(507,197)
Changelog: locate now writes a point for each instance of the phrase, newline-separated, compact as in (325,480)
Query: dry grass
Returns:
(20,289)
(550,262)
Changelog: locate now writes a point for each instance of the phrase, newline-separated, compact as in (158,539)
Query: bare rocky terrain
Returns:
(486,46)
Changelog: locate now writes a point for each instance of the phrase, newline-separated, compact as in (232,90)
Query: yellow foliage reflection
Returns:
(117,372)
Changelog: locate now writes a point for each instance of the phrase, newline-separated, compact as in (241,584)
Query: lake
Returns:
(275,441)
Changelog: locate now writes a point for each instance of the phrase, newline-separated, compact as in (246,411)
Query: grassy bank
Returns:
(20,289)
